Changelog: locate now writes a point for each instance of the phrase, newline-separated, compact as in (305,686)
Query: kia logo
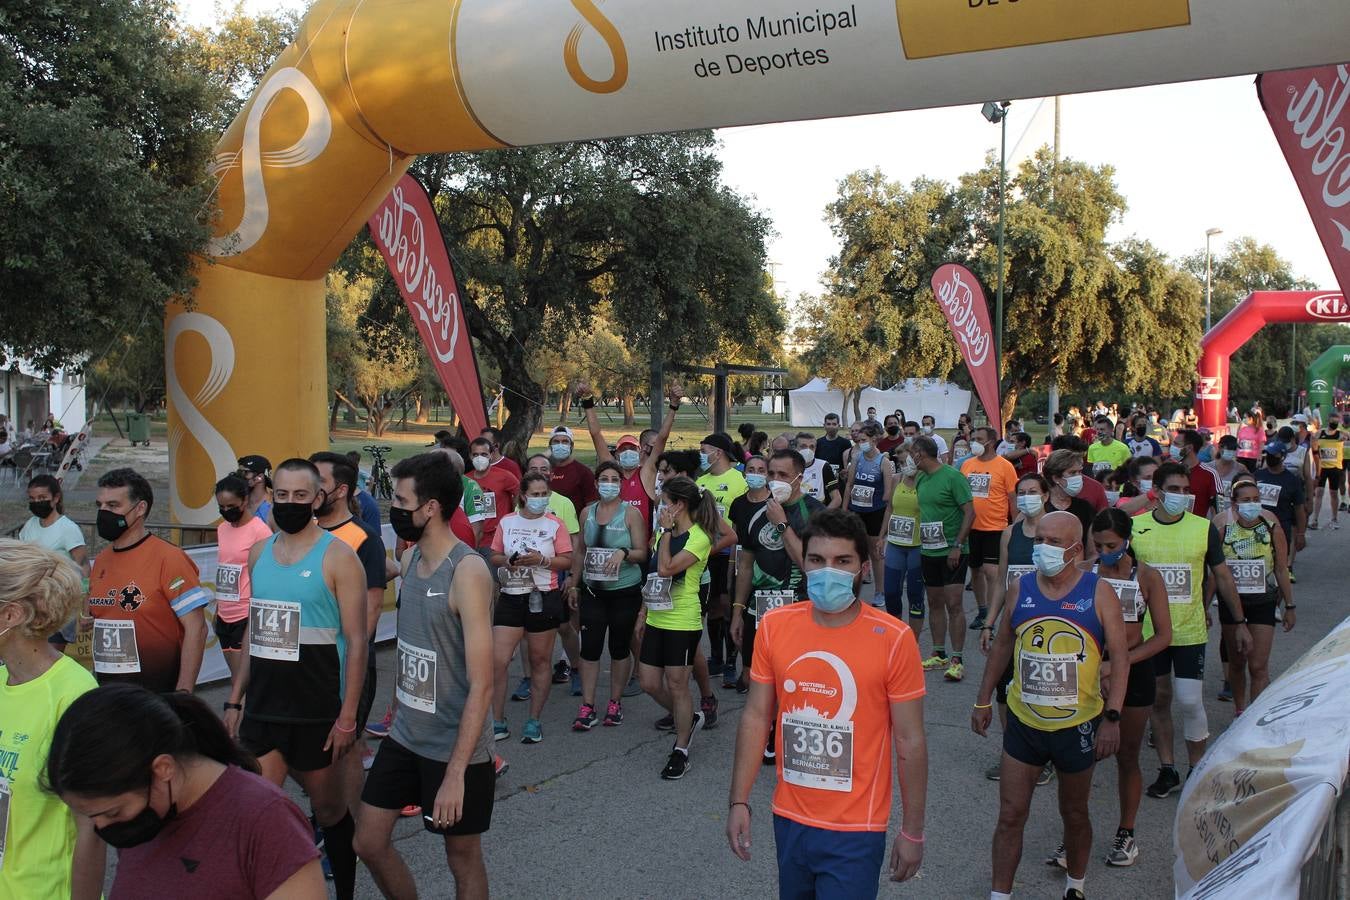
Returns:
(1328,306)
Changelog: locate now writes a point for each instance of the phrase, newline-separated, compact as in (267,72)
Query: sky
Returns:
(1188,157)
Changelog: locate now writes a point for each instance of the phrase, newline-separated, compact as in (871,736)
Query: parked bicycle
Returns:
(380,483)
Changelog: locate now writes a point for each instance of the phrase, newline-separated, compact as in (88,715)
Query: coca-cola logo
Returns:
(403,234)
(1313,112)
(1328,306)
(958,299)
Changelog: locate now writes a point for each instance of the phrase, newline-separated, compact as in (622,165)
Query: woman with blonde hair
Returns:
(49,852)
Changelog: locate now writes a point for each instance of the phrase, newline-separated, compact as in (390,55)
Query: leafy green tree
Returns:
(375,362)
(101,154)
(234,54)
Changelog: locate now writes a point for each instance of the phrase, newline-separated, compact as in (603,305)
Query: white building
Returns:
(27,395)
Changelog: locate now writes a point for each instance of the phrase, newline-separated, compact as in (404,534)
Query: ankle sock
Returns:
(1073,884)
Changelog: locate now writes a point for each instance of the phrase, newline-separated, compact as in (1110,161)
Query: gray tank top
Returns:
(432,679)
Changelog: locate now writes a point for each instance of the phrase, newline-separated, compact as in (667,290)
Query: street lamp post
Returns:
(1209,233)
(997,113)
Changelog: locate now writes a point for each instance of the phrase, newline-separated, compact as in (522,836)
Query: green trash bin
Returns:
(138,428)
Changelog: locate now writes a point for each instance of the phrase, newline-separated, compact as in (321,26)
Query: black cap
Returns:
(721,442)
(442,439)
(258,465)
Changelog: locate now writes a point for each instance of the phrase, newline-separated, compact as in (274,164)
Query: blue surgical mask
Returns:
(561,451)
(1112,498)
(536,504)
(608,490)
(1110,559)
(1251,510)
(831,590)
(1174,451)
(703,462)
(629,459)
(755,481)
(1174,504)
(1073,484)
(1048,560)
(1030,504)
(1228,455)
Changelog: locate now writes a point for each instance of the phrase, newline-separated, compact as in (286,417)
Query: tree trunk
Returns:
(629,417)
(565,407)
(857,406)
(1009,402)
(420,406)
(332,416)
(523,399)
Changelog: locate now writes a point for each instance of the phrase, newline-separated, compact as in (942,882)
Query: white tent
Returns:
(918,397)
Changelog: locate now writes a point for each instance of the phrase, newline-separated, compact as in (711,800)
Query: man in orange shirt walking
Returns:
(842,681)
(993,480)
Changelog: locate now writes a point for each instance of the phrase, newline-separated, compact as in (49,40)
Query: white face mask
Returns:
(1030,504)
(480,463)
(781,490)
(808,456)
(909,468)
(928,429)
(977,449)
(865,447)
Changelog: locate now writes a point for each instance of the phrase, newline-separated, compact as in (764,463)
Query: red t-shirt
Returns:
(834,689)
(460,526)
(1093,493)
(510,465)
(575,482)
(242,838)
(1205,487)
(633,492)
(888,443)
(499,498)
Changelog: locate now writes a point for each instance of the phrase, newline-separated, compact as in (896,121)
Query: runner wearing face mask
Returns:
(893,437)
(1204,482)
(235,537)
(745,508)
(821,480)
(1282,493)
(1106,453)
(255,471)
(45,851)
(1059,621)
(160,779)
(832,802)
(867,485)
(992,482)
(1330,449)
(148,607)
(1140,442)
(304,673)
(1250,440)
(946,515)
(49,527)
(530,548)
(606,589)
(928,426)
(500,489)
(495,458)
(636,457)
(568,669)
(1185,549)
(1063,469)
(904,559)
(1257,554)
(725,484)
(1225,466)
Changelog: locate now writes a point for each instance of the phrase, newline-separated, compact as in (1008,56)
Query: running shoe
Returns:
(666,723)
(935,661)
(1074,894)
(1059,858)
(1226,693)
(576,683)
(994,772)
(729,676)
(585,719)
(1335,524)
(1047,775)
(561,672)
(955,672)
(1169,782)
(742,684)
(409,811)
(533,732)
(499,765)
(708,709)
(978,622)
(632,688)
(381,728)
(522,691)
(500,731)
(1312,526)
(676,767)
(613,714)
(1123,851)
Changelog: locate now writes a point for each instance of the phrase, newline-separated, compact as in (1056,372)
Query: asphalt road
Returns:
(587,815)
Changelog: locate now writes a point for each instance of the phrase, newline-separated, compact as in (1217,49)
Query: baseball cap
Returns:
(627,439)
(721,442)
(1276,448)
(565,431)
(258,465)
(1300,418)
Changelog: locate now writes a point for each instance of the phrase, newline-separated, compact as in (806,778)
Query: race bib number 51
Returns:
(115,649)
(817,753)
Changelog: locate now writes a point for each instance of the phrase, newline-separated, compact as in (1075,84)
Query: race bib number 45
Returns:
(416,687)
(817,753)
(1177,580)
(274,630)
(656,593)
(115,649)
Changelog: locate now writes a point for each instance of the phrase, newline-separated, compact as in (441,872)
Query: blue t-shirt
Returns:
(370,511)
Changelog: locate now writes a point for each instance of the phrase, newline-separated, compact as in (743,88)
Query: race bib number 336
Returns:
(817,753)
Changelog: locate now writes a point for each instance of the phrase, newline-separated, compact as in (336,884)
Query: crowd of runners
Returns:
(804,570)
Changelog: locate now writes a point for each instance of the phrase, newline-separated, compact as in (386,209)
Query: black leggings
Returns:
(748,637)
(612,611)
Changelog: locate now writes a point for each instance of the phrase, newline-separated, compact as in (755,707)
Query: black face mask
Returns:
(292,517)
(144,826)
(111,526)
(231,514)
(40,508)
(1140,430)
(327,507)
(893,430)
(401,520)
(1274,462)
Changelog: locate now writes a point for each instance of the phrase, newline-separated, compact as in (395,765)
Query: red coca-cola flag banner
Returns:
(1309,112)
(405,229)
(959,294)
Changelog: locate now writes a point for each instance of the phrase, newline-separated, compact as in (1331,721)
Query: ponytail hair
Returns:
(106,741)
(701,503)
(1114,519)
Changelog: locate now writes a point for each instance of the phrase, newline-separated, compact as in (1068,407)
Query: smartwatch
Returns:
(1111,715)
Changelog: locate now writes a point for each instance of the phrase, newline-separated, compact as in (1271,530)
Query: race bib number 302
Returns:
(1177,580)
(115,648)
(416,686)
(274,630)
(817,753)
(597,563)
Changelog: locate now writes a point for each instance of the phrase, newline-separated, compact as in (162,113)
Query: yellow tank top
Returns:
(1057,651)
(1330,450)
(1250,554)
(903,528)
(1177,551)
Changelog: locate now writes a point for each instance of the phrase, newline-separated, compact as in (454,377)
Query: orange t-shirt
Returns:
(993,485)
(834,689)
(151,585)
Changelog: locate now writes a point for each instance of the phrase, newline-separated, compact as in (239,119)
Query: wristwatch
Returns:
(229,706)
(1111,715)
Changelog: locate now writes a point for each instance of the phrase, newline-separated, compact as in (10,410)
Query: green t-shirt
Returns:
(725,487)
(1116,453)
(688,611)
(563,508)
(941,496)
(472,503)
(38,829)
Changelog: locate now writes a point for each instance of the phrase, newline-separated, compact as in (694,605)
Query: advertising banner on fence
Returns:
(1309,110)
(959,294)
(405,229)
(1252,811)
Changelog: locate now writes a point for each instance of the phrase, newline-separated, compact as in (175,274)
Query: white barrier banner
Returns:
(1253,810)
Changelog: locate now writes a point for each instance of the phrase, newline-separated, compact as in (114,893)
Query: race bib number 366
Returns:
(274,630)
(817,753)
(1249,574)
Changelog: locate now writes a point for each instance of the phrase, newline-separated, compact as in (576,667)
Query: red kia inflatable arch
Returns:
(1236,328)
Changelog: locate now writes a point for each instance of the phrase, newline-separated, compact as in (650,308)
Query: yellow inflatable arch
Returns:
(369,84)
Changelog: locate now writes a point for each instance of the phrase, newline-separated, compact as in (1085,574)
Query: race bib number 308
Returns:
(1177,580)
